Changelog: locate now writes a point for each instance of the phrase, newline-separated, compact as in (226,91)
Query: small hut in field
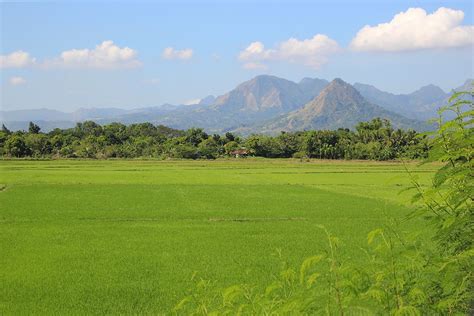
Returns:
(240,153)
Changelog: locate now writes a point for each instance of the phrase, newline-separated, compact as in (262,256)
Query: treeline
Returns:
(374,140)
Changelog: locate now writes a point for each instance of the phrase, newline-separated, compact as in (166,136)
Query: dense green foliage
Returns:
(447,204)
(374,140)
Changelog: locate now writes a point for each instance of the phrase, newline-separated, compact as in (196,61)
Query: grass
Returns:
(112,237)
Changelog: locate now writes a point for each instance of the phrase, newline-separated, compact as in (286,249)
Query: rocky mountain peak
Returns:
(340,92)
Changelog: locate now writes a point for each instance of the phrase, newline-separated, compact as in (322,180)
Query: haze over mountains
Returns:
(265,104)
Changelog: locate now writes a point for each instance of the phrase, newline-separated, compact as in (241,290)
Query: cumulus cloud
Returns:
(256,50)
(171,53)
(312,52)
(106,55)
(18,59)
(414,29)
(16,81)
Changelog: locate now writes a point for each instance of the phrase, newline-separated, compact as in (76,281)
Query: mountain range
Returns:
(339,105)
(265,104)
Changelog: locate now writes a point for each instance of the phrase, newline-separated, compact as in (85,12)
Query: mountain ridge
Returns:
(421,104)
(252,103)
(339,105)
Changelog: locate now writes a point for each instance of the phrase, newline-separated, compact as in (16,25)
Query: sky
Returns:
(70,55)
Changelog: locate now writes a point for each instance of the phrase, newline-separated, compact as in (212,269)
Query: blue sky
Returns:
(207,42)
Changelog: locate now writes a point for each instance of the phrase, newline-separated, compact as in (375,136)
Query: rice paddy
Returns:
(108,237)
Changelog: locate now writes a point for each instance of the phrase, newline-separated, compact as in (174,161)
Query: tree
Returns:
(33,128)
(375,139)
(264,146)
(210,148)
(142,146)
(141,129)
(185,151)
(115,133)
(87,128)
(229,136)
(39,144)
(3,138)
(5,130)
(15,146)
(217,138)
(195,135)
(289,144)
(375,130)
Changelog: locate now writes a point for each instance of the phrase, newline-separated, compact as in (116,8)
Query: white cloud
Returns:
(106,55)
(18,59)
(414,29)
(256,50)
(312,52)
(171,53)
(16,81)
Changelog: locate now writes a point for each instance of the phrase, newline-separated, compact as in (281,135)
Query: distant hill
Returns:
(339,105)
(262,104)
(268,94)
(421,104)
(467,86)
(34,115)
(255,100)
(207,100)
(49,119)
(83,114)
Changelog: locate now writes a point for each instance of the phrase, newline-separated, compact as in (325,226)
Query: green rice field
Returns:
(110,237)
